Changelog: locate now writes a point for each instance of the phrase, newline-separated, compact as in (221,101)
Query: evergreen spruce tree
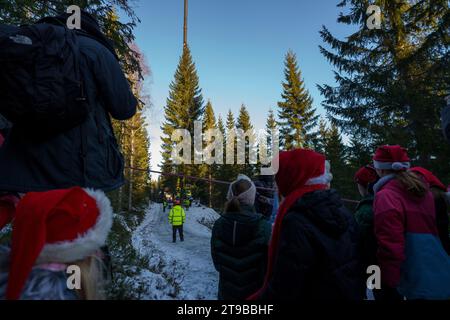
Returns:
(184,106)
(336,154)
(208,170)
(359,152)
(221,127)
(271,125)
(230,170)
(244,123)
(220,172)
(323,135)
(265,152)
(391,82)
(296,115)
(220,167)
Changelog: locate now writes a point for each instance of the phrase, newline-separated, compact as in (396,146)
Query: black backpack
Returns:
(41,85)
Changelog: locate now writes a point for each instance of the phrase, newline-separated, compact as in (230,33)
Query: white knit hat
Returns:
(247,197)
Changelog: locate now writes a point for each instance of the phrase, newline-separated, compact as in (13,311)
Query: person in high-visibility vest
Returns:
(177,217)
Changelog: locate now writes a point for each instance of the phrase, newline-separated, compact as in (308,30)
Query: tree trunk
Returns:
(130,190)
(120,196)
(210,189)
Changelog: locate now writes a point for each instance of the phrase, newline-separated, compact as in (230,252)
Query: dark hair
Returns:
(238,187)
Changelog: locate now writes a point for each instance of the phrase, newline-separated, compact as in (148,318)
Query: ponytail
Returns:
(412,183)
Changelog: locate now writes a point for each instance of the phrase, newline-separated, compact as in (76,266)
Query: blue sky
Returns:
(238,47)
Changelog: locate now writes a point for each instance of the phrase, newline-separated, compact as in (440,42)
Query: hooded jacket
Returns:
(239,246)
(87,155)
(317,256)
(410,254)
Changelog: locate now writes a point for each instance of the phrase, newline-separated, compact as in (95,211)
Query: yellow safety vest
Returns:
(177,216)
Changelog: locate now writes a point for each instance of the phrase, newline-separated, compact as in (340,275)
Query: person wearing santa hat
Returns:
(365,178)
(439,191)
(412,260)
(313,252)
(53,233)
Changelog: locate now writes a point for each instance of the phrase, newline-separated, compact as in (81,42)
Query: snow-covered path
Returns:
(182,270)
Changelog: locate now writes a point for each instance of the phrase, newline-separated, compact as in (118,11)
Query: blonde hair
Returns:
(412,183)
(93,279)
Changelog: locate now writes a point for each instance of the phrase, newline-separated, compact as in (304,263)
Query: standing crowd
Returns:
(58,155)
(318,250)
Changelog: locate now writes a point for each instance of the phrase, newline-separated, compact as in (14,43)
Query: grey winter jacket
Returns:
(40,285)
(87,155)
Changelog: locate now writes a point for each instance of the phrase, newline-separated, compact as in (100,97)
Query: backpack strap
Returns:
(71,38)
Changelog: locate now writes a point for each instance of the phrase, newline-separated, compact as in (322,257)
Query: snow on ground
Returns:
(182,270)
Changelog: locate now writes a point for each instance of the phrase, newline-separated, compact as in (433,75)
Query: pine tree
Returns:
(230,170)
(336,153)
(184,106)
(244,123)
(221,127)
(209,123)
(320,143)
(391,82)
(359,152)
(222,130)
(220,172)
(265,151)
(271,126)
(297,117)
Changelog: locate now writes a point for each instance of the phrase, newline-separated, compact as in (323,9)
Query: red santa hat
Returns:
(58,226)
(429,177)
(366,175)
(301,167)
(391,158)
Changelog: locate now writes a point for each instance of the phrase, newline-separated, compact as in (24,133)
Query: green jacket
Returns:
(239,247)
(364,218)
(177,216)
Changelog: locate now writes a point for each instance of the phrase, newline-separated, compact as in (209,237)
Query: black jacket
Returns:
(239,246)
(59,162)
(264,196)
(368,241)
(445,118)
(317,257)
(442,222)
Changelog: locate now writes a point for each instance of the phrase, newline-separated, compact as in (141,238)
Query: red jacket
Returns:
(410,254)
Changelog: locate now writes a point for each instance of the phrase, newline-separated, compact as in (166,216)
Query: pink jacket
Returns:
(396,214)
